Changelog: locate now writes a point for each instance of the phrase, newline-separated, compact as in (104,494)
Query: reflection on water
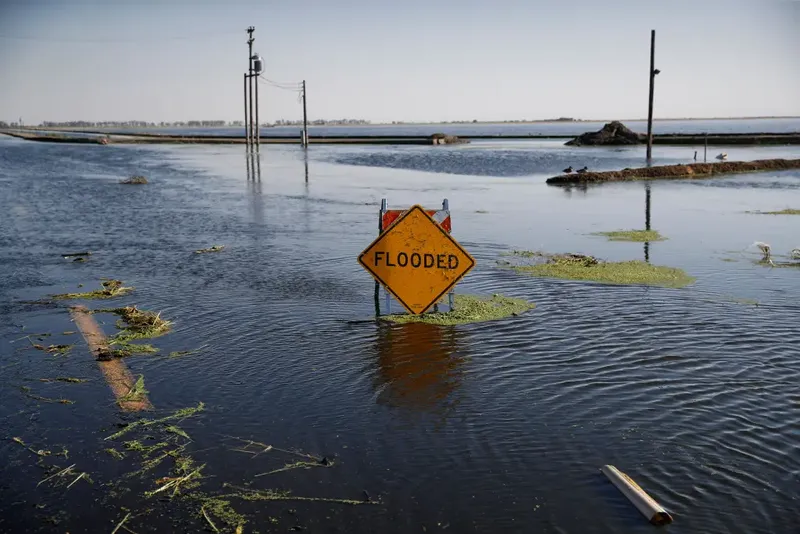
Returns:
(253,161)
(420,366)
(647,220)
(581,187)
(253,164)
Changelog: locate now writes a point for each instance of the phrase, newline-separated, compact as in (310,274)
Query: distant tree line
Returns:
(510,121)
(176,124)
(131,124)
(219,123)
(318,122)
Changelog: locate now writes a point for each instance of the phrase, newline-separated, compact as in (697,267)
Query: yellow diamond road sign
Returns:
(416,260)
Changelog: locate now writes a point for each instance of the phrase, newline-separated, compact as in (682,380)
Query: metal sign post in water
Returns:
(415,258)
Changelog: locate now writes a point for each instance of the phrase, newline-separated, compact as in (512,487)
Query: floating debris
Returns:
(248,494)
(215,248)
(137,324)
(58,474)
(115,453)
(74,254)
(119,525)
(61,476)
(653,511)
(111,288)
(60,350)
(134,180)
(137,393)
(468,309)
(179,353)
(66,379)
(261,448)
(172,475)
(37,452)
(121,349)
(590,269)
(177,416)
(172,429)
(221,509)
(27,392)
(174,483)
(213,526)
(298,465)
(637,236)
(787,211)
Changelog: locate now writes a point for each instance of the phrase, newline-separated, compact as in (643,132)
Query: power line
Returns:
(289,86)
(285,88)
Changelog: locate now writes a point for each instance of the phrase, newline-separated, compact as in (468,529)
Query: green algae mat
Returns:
(469,309)
(787,211)
(636,236)
(590,269)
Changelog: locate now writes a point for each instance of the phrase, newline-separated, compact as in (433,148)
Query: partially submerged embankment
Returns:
(95,138)
(113,137)
(669,172)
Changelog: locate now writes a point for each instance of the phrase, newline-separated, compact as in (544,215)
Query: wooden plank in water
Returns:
(116,373)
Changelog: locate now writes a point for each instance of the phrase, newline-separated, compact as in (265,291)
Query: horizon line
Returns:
(422,122)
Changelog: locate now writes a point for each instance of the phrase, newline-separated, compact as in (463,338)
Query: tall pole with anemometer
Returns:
(250,31)
(653,72)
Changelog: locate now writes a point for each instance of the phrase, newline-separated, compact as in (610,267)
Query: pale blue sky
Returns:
(398,60)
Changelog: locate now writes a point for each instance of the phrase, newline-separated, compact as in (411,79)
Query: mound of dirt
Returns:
(613,133)
(134,180)
(444,139)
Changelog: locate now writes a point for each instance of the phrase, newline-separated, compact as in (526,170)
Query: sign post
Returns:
(415,258)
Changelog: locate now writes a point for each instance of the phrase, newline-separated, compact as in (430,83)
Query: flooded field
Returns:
(666,126)
(495,427)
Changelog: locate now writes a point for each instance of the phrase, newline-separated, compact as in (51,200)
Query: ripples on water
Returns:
(490,427)
(525,159)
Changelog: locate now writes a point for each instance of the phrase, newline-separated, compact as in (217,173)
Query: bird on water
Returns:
(583,170)
(766,250)
(722,156)
(568,169)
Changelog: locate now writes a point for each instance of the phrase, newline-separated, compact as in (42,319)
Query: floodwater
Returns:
(712,126)
(497,427)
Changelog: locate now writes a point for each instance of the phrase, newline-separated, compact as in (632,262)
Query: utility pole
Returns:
(246,131)
(305,117)
(250,31)
(653,72)
(258,128)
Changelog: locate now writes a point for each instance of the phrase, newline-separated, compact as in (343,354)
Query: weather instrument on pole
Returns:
(258,64)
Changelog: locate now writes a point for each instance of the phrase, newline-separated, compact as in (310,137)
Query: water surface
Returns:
(488,427)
